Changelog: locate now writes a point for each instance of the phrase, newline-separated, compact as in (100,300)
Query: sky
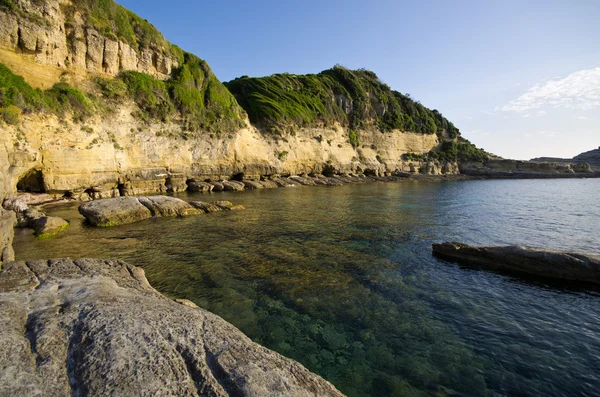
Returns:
(520,79)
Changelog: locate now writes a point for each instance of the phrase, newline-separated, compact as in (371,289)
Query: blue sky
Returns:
(519,78)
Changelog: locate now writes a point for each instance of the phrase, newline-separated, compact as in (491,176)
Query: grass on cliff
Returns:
(354,98)
(459,150)
(192,96)
(17,97)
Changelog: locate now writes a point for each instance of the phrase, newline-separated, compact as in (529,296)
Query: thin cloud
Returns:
(579,90)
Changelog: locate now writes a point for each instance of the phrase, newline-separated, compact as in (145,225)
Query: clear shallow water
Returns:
(342,279)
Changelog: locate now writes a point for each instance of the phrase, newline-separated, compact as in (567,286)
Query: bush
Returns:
(11,114)
(111,88)
(354,98)
(353,137)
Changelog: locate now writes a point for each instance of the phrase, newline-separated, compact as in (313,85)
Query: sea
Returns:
(342,279)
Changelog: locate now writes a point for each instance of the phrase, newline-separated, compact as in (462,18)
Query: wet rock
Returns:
(115,211)
(302,180)
(233,186)
(95,327)
(194,186)
(168,206)
(48,226)
(284,182)
(217,186)
(206,207)
(269,184)
(251,185)
(228,205)
(567,266)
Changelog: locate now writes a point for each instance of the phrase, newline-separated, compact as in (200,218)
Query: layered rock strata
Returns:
(566,266)
(94,327)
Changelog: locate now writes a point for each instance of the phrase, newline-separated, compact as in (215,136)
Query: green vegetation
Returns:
(17,95)
(463,150)
(11,114)
(117,22)
(282,155)
(193,94)
(353,137)
(354,98)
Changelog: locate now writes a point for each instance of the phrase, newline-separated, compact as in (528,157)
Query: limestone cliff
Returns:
(125,112)
(44,39)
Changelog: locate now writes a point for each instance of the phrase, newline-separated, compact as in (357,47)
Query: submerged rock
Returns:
(522,260)
(95,327)
(206,207)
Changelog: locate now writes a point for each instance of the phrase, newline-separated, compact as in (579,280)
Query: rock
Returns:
(7,222)
(48,226)
(226,205)
(269,184)
(96,327)
(168,206)
(233,185)
(301,180)
(284,182)
(251,185)
(217,186)
(115,211)
(15,203)
(194,186)
(526,261)
(206,207)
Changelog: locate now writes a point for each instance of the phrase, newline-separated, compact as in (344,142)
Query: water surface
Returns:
(342,280)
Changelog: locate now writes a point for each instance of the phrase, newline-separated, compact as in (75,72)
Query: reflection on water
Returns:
(342,279)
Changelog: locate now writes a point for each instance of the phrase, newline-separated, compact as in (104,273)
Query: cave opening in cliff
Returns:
(238,177)
(32,181)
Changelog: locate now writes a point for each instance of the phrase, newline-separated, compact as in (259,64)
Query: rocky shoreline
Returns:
(96,327)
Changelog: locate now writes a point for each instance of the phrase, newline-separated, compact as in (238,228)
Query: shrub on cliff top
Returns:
(354,98)
(193,94)
(11,114)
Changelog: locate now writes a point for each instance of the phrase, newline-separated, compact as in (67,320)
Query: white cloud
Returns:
(581,118)
(579,90)
(542,113)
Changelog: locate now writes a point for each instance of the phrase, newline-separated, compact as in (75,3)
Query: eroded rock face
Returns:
(525,169)
(522,260)
(94,327)
(42,31)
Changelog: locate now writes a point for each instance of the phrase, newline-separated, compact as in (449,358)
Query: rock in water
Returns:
(48,226)
(566,266)
(115,211)
(94,327)
(168,206)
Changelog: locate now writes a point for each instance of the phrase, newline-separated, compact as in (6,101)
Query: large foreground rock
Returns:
(95,328)
(528,261)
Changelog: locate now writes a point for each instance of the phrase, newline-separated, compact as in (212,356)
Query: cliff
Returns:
(93,98)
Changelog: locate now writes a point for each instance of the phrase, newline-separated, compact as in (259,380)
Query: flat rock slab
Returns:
(95,327)
(114,211)
(124,210)
(567,266)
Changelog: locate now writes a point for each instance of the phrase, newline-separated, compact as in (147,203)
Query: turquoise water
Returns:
(342,280)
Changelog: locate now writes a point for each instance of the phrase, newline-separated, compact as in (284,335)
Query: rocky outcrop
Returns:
(94,327)
(591,157)
(525,169)
(124,210)
(566,266)
(53,34)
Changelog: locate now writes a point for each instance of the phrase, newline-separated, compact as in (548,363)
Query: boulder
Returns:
(168,206)
(251,185)
(233,186)
(269,184)
(48,226)
(217,186)
(96,327)
(115,211)
(568,266)
(194,186)
(206,207)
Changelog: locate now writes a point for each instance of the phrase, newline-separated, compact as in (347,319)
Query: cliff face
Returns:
(129,113)
(58,34)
